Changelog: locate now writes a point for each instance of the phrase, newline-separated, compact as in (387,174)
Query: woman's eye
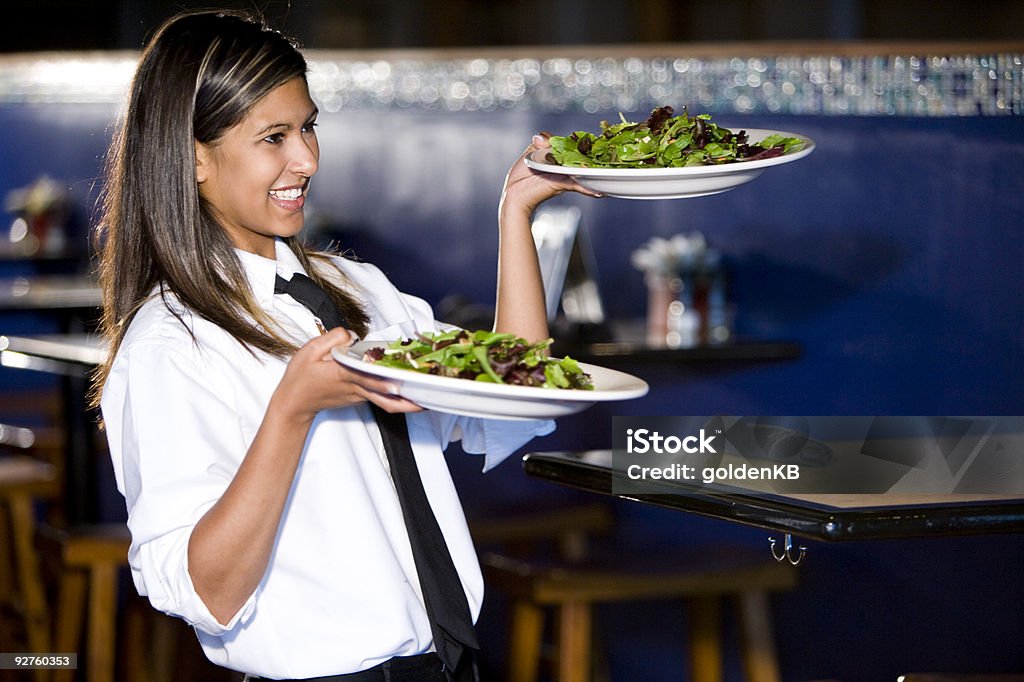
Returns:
(274,139)
(310,127)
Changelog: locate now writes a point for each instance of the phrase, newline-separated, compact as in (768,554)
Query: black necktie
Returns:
(447,608)
(308,293)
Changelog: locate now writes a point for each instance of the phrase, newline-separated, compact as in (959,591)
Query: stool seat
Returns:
(26,475)
(706,571)
(89,558)
(86,545)
(702,577)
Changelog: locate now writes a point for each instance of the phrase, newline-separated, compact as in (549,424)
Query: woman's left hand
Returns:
(525,189)
(520,307)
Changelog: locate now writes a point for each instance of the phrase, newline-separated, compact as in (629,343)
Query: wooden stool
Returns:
(704,578)
(88,559)
(23,481)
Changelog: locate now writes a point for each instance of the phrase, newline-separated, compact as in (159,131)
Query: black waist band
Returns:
(408,668)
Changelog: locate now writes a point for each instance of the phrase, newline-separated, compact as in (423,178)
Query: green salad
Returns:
(665,141)
(482,356)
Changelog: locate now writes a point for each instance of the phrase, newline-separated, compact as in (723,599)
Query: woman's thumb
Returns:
(339,336)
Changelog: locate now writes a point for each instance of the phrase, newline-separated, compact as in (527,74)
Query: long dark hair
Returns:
(199,75)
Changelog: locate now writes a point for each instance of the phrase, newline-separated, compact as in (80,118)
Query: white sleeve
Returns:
(496,439)
(175,442)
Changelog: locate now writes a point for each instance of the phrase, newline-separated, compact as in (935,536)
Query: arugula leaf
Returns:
(555,377)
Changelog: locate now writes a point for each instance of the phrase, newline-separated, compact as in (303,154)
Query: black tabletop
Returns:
(821,517)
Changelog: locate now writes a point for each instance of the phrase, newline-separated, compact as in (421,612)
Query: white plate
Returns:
(494,401)
(672,183)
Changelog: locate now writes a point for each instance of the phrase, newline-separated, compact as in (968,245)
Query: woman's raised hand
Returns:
(525,189)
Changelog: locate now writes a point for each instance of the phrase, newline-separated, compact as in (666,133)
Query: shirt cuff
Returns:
(503,437)
(173,591)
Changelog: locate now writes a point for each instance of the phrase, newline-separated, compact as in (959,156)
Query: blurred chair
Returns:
(564,528)
(24,481)
(571,590)
(87,560)
(83,562)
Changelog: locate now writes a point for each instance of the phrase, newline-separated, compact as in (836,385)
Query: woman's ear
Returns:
(202,162)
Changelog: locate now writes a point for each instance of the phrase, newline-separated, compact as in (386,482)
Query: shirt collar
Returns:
(262,272)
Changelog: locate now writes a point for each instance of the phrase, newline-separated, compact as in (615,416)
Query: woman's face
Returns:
(256,176)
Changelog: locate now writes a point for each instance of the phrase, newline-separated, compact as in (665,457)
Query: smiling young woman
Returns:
(267,504)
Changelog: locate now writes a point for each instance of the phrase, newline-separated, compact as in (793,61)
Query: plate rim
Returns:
(345,356)
(539,164)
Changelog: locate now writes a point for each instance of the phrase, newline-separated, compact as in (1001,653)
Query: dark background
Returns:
(124,24)
(892,256)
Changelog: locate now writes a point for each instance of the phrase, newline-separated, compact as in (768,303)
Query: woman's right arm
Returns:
(230,546)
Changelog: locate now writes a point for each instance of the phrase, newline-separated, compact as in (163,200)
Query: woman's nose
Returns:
(306,157)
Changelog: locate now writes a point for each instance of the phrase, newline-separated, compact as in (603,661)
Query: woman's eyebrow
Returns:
(273,126)
(286,126)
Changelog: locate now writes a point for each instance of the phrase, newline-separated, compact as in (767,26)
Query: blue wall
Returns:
(892,254)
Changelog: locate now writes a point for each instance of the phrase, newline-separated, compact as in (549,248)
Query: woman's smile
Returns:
(289,198)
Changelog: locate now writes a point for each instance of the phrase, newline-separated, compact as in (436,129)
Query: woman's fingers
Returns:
(369,382)
(384,395)
(538,142)
(322,345)
(390,403)
(381,392)
(557,183)
(577,187)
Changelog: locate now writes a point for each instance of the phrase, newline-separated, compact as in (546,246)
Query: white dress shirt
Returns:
(341,592)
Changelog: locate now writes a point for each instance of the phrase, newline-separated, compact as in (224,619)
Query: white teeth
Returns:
(288,194)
